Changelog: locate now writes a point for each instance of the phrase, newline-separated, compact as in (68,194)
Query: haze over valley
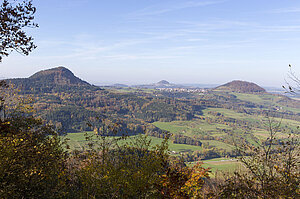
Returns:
(173,99)
(196,117)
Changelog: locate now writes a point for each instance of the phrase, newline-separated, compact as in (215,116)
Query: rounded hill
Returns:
(241,87)
(52,80)
(163,82)
(59,76)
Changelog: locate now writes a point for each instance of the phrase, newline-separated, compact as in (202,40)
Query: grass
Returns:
(226,112)
(265,99)
(78,141)
(218,144)
(220,165)
(229,166)
(172,127)
(199,127)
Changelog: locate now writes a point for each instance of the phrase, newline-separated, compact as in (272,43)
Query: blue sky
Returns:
(182,41)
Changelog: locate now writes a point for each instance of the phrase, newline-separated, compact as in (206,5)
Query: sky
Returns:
(182,41)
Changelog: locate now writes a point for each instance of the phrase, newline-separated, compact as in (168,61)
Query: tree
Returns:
(131,167)
(118,167)
(183,182)
(32,158)
(293,86)
(14,18)
(271,169)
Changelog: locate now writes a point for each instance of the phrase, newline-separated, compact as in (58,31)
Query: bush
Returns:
(271,169)
(31,155)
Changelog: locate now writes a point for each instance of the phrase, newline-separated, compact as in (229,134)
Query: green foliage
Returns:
(132,167)
(272,170)
(53,80)
(32,159)
(110,170)
(14,17)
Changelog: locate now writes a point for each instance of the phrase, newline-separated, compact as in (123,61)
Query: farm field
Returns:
(219,127)
(78,141)
(267,99)
(203,126)
(220,165)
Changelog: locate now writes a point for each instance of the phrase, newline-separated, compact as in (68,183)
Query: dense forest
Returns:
(61,137)
(73,105)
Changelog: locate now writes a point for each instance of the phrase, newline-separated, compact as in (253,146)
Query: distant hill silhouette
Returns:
(163,82)
(120,85)
(241,87)
(51,80)
(160,84)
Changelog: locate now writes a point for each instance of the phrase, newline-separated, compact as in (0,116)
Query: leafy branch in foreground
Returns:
(132,167)
(32,159)
(14,17)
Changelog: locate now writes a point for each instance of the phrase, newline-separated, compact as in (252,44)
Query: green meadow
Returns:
(78,141)
(220,165)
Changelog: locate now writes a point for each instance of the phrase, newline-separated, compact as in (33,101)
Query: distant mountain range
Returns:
(234,86)
(163,84)
(160,84)
(69,102)
(61,78)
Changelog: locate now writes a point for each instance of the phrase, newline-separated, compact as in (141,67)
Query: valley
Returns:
(204,123)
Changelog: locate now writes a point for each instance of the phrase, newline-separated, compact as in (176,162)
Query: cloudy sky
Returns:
(182,41)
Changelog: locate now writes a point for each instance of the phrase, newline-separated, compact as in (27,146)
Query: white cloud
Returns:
(286,10)
(158,9)
(283,28)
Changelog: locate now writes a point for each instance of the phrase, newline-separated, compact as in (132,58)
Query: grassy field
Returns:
(265,99)
(218,144)
(78,141)
(220,165)
(215,127)
(198,127)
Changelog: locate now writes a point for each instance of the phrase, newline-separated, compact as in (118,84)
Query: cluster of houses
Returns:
(183,90)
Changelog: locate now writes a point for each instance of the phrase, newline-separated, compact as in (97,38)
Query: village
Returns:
(182,90)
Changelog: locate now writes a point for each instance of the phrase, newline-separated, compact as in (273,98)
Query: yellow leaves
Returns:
(184,181)
(6,123)
(105,177)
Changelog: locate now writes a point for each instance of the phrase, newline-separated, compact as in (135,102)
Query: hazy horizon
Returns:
(185,42)
(128,83)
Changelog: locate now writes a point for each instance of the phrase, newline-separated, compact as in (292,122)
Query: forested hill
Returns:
(241,87)
(51,80)
(69,103)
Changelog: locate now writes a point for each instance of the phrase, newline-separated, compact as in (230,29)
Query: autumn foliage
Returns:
(35,163)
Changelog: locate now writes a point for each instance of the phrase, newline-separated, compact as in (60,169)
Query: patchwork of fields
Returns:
(219,128)
(78,141)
